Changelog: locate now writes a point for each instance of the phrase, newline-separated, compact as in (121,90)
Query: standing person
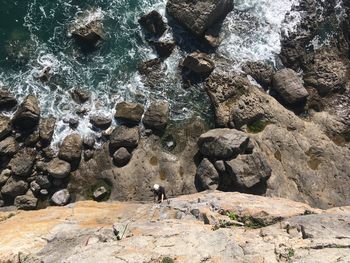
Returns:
(159,192)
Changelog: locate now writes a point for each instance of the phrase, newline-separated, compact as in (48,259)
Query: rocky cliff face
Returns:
(203,227)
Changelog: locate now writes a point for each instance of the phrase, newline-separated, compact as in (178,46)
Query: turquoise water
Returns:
(33,35)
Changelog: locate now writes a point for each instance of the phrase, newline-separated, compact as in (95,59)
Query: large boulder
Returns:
(61,197)
(14,187)
(199,63)
(8,147)
(249,170)
(207,176)
(28,114)
(223,143)
(7,101)
(156,116)
(87,32)
(71,148)
(26,202)
(289,86)
(163,48)
(128,111)
(47,128)
(4,176)
(123,136)
(5,126)
(22,163)
(198,16)
(58,168)
(121,157)
(153,23)
(100,122)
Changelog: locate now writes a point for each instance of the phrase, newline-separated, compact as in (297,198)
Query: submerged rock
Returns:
(61,197)
(28,114)
(128,111)
(80,96)
(153,23)
(156,116)
(198,16)
(58,168)
(7,101)
(223,143)
(288,84)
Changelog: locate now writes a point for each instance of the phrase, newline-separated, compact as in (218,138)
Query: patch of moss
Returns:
(90,191)
(232,215)
(291,253)
(257,126)
(346,136)
(167,260)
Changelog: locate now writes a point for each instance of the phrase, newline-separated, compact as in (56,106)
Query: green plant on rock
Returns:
(291,253)
(232,215)
(167,260)
(257,126)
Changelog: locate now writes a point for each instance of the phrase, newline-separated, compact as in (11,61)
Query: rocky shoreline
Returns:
(286,135)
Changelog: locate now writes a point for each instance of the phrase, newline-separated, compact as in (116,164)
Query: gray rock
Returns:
(121,157)
(43,181)
(88,154)
(80,96)
(153,23)
(26,202)
(71,148)
(5,127)
(14,187)
(2,203)
(198,16)
(7,101)
(4,176)
(47,128)
(127,111)
(44,192)
(163,48)
(34,187)
(123,136)
(249,170)
(261,72)
(8,147)
(100,122)
(289,86)
(89,142)
(156,116)
(61,197)
(222,143)
(100,193)
(28,114)
(220,166)
(41,166)
(23,162)
(206,176)
(58,168)
(199,63)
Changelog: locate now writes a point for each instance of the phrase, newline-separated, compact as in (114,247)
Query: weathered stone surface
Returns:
(248,170)
(163,48)
(5,127)
(100,122)
(199,63)
(23,162)
(71,148)
(88,233)
(8,147)
(153,23)
(4,176)
(61,197)
(123,136)
(80,96)
(288,84)
(261,72)
(89,142)
(206,176)
(128,111)
(46,129)
(14,187)
(43,181)
(34,187)
(26,202)
(222,143)
(198,16)
(7,101)
(156,116)
(121,157)
(28,113)
(58,168)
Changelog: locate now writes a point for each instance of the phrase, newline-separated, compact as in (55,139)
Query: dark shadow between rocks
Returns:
(297,108)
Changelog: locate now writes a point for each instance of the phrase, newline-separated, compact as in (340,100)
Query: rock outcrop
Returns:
(28,114)
(210,226)
(156,115)
(7,101)
(130,112)
(153,23)
(71,149)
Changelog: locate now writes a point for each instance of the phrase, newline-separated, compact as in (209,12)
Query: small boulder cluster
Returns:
(229,163)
